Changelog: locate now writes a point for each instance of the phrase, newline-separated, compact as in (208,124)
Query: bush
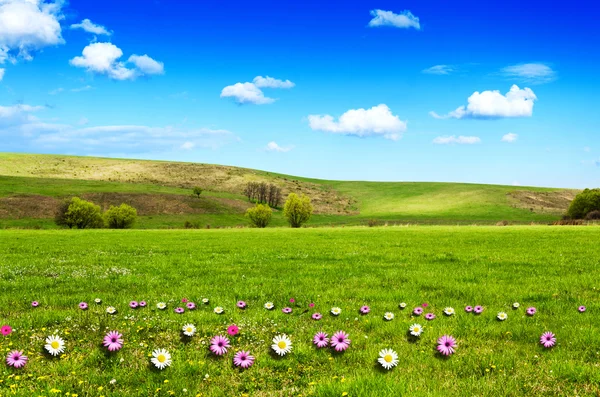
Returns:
(121,217)
(593,216)
(260,216)
(297,210)
(197,191)
(373,223)
(584,203)
(191,225)
(502,223)
(79,214)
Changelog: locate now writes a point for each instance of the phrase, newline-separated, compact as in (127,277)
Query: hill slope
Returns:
(31,186)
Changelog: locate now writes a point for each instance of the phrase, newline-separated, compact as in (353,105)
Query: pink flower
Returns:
(548,339)
(35,303)
(184,300)
(311,305)
(365,310)
(233,330)
(190,305)
(425,304)
(417,311)
(243,359)
(581,309)
(143,304)
(113,341)
(179,310)
(287,310)
(469,309)
(478,309)
(241,304)
(133,304)
(340,341)
(321,340)
(429,316)
(292,300)
(6,330)
(531,311)
(219,345)
(446,345)
(16,359)
(317,316)
(83,306)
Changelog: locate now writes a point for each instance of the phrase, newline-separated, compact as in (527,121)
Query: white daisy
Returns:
(449,311)
(205,301)
(336,311)
(189,330)
(415,330)
(282,345)
(111,310)
(388,358)
(55,345)
(219,310)
(98,301)
(161,305)
(516,305)
(269,305)
(161,358)
(402,305)
(502,316)
(389,316)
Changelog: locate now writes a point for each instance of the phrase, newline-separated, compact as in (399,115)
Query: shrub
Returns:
(260,216)
(191,225)
(373,222)
(121,217)
(79,214)
(584,203)
(297,210)
(197,191)
(593,216)
(502,223)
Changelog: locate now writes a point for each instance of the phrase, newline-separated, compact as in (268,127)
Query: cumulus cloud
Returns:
(376,121)
(251,93)
(28,25)
(454,140)
(532,73)
(510,137)
(274,147)
(103,58)
(2,70)
(404,20)
(492,104)
(91,27)
(439,69)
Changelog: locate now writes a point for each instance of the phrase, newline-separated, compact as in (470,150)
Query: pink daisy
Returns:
(365,309)
(292,300)
(219,345)
(311,305)
(469,309)
(16,359)
(417,311)
(179,310)
(241,304)
(190,305)
(113,341)
(548,339)
(317,316)
(340,341)
(581,309)
(83,306)
(133,304)
(243,359)
(446,345)
(531,311)
(287,310)
(233,330)
(321,340)
(143,304)
(425,304)
(478,309)
(35,303)
(184,300)
(5,330)
(429,316)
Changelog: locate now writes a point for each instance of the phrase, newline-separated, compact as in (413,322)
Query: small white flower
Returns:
(402,305)
(111,310)
(98,301)
(121,360)
(516,305)
(205,301)
(55,345)
(206,376)
(282,345)
(113,381)
(161,305)
(219,310)
(388,358)
(189,330)
(449,311)
(415,330)
(502,316)
(161,358)
(389,316)
(336,311)
(269,305)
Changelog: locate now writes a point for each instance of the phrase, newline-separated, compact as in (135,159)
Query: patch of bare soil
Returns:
(555,202)
(28,206)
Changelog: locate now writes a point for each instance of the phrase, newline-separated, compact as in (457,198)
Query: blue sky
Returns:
(362,90)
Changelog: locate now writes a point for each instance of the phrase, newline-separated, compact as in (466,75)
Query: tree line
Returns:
(263,193)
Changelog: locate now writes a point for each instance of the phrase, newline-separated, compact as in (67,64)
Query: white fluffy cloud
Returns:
(274,147)
(439,69)
(251,93)
(376,121)
(2,73)
(492,104)
(510,137)
(91,27)
(533,73)
(387,18)
(103,58)
(28,25)
(460,140)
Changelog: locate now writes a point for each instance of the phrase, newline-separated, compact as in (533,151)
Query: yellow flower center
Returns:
(416,329)
(388,358)
(188,329)
(282,345)
(161,358)
(55,345)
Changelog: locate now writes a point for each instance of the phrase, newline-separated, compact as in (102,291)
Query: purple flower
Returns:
(35,303)
(243,359)
(340,341)
(287,310)
(219,345)
(190,305)
(365,309)
(133,304)
(469,309)
(317,316)
(478,309)
(531,311)
(233,330)
(429,316)
(16,359)
(143,304)
(446,345)
(241,304)
(548,339)
(179,310)
(83,306)
(113,341)
(417,311)
(321,340)
(6,330)
(581,309)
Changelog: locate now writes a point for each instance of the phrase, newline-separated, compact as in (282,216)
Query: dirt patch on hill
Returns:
(28,206)
(554,202)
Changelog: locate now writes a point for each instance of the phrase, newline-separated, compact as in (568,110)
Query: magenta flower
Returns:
(311,305)
(143,304)
(365,309)
(179,310)
(83,306)
(287,310)
(6,330)
(241,304)
(184,300)
(478,309)
(113,341)
(429,316)
(446,345)
(425,304)
(219,345)
(292,300)
(340,341)
(233,330)
(133,304)
(531,311)
(16,359)
(243,359)
(321,340)
(581,309)
(317,316)
(35,303)
(469,309)
(417,311)
(190,305)
(548,339)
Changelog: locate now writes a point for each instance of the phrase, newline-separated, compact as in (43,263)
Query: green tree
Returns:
(260,216)
(197,191)
(584,203)
(297,210)
(121,217)
(79,214)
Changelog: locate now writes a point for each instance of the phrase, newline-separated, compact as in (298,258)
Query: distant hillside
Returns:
(31,186)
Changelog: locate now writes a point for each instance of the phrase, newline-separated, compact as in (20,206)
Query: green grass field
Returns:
(555,269)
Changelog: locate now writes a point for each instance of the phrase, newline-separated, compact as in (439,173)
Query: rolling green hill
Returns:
(31,187)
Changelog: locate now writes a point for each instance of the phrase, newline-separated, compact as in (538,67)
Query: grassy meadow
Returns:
(554,269)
